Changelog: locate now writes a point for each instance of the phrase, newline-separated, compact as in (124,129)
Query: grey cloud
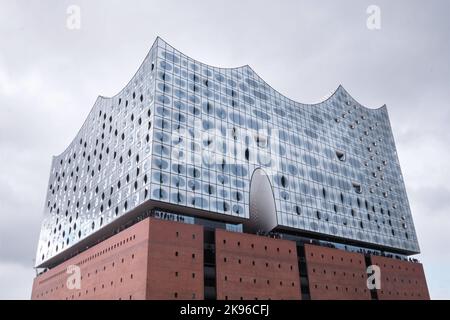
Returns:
(50,78)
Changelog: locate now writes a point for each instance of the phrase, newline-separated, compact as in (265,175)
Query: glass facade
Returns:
(189,134)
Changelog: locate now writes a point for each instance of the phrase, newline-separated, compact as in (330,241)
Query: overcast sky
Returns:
(50,77)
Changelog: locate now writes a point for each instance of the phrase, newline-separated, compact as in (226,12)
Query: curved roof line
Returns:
(360,104)
(137,71)
(102,97)
(340,87)
(205,64)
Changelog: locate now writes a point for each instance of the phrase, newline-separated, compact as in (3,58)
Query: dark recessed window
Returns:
(357,187)
(340,155)
(284,181)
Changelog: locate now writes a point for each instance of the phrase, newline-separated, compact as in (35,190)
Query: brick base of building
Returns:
(159,259)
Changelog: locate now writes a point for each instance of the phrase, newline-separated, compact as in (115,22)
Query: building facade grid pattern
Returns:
(190,134)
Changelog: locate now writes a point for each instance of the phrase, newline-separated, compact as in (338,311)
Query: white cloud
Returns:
(16,281)
(48,87)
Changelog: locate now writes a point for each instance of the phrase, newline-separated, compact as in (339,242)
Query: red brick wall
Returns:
(254,267)
(113,269)
(157,259)
(175,267)
(401,279)
(137,263)
(336,274)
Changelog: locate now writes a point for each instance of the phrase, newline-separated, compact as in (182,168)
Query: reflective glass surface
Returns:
(191,134)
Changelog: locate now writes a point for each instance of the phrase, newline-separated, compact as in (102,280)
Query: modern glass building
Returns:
(222,144)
